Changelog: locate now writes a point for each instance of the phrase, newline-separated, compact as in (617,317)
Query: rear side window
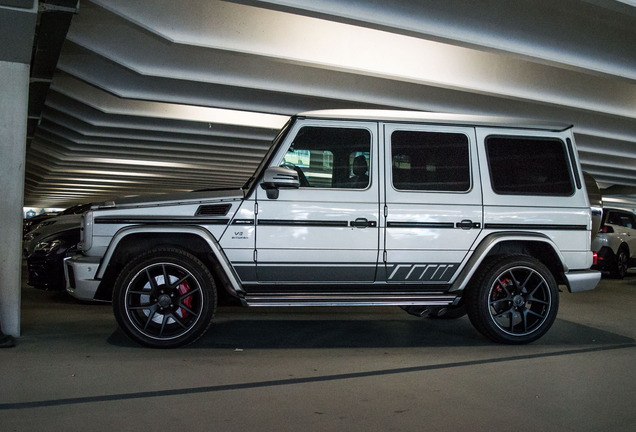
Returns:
(528,166)
(430,161)
(621,219)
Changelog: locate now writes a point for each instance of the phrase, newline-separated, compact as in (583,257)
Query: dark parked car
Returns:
(29,223)
(46,263)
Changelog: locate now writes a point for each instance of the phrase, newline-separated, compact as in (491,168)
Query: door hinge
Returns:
(384,257)
(255,208)
(386,211)
(255,255)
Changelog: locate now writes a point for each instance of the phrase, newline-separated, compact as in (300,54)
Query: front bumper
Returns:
(582,280)
(46,272)
(79,272)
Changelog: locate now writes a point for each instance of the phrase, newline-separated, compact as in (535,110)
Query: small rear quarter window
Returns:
(529,166)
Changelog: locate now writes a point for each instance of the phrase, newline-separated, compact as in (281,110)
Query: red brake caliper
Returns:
(184,288)
(499,291)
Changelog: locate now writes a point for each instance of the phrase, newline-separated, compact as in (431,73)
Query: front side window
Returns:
(327,157)
(528,166)
(430,161)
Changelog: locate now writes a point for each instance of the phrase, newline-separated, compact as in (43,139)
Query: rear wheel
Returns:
(513,300)
(620,268)
(165,298)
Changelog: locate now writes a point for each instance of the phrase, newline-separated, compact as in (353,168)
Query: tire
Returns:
(160,315)
(513,300)
(446,312)
(620,267)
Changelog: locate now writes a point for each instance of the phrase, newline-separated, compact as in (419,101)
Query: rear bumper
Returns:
(606,259)
(582,280)
(79,272)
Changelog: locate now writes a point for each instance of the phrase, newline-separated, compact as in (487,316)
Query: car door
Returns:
(624,228)
(433,201)
(631,233)
(325,232)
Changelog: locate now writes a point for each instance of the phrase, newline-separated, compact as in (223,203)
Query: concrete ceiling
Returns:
(171,95)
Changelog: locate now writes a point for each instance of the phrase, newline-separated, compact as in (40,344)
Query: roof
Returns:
(435,118)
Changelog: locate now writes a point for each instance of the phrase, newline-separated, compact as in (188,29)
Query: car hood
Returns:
(167,199)
(48,228)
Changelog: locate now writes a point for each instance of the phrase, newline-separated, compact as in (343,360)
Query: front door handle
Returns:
(362,223)
(467,224)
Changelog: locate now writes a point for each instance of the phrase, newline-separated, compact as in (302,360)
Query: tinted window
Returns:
(331,157)
(622,219)
(430,161)
(528,166)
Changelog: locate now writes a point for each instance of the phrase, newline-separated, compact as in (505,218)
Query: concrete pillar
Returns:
(14,89)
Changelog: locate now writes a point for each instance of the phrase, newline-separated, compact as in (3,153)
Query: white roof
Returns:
(436,118)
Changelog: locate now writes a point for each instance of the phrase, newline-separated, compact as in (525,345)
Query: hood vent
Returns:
(213,210)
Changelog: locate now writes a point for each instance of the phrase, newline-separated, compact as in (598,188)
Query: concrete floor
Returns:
(332,369)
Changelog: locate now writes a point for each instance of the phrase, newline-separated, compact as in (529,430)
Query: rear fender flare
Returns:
(492,240)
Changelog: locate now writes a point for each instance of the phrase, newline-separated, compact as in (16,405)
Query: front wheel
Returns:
(513,300)
(165,298)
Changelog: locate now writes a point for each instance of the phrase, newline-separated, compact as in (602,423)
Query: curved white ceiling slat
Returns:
(594,36)
(310,41)
(164,96)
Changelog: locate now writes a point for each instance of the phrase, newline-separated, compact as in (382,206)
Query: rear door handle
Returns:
(362,223)
(467,224)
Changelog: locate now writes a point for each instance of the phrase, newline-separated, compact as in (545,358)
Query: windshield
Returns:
(281,135)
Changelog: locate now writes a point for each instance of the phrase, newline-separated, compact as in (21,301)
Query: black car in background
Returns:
(29,223)
(46,263)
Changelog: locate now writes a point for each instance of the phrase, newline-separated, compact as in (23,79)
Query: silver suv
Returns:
(615,243)
(431,212)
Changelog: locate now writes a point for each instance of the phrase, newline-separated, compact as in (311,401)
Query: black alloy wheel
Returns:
(513,300)
(165,298)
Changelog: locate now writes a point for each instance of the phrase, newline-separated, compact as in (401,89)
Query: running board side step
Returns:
(362,299)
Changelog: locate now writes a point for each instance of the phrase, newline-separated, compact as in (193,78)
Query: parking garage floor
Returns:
(323,369)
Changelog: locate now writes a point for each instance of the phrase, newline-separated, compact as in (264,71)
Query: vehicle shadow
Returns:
(338,333)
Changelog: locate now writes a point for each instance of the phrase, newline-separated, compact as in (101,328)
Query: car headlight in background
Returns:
(30,236)
(43,224)
(48,246)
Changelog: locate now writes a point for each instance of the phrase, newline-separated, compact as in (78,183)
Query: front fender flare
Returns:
(204,234)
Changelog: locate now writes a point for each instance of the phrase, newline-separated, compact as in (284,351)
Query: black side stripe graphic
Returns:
(293,222)
(150,220)
(536,227)
(420,225)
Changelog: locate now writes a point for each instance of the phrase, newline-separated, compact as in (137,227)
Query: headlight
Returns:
(86,232)
(43,224)
(32,235)
(48,246)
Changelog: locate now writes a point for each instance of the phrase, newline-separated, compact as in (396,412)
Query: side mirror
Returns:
(275,178)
